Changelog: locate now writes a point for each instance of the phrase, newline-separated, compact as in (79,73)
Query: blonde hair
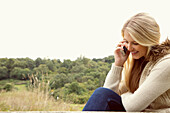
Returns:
(145,31)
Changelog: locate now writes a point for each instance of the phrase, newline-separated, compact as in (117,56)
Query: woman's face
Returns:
(135,49)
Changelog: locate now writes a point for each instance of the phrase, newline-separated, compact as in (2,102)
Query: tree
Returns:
(30,63)
(74,87)
(20,63)
(56,63)
(95,74)
(78,77)
(3,73)
(92,64)
(38,61)
(96,60)
(86,78)
(78,68)
(103,67)
(3,62)
(19,73)
(67,64)
(50,65)
(10,66)
(109,59)
(102,79)
(59,81)
(63,70)
(42,68)
(91,84)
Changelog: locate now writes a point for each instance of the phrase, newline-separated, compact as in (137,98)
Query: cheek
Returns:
(143,50)
(138,48)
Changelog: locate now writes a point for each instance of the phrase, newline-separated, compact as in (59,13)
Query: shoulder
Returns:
(156,68)
(162,64)
(165,59)
(166,56)
(159,51)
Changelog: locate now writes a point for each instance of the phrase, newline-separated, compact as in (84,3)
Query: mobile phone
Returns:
(124,51)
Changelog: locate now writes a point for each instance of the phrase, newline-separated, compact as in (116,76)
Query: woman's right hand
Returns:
(119,57)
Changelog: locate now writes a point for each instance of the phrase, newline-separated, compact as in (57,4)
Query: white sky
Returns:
(66,29)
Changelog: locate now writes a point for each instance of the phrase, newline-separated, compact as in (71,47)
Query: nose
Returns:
(130,48)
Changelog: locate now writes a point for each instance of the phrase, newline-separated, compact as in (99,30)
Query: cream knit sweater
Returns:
(153,93)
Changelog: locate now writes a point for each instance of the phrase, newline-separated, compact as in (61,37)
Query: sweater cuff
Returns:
(116,69)
(113,78)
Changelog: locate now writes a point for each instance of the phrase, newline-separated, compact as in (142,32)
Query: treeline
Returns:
(19,68)
(71,81)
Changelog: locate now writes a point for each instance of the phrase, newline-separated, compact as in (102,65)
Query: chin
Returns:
(136,57)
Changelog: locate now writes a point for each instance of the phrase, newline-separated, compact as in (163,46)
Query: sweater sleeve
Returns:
(113,78)
(157,83)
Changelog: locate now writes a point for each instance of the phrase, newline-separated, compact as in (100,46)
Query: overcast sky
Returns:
(66,29)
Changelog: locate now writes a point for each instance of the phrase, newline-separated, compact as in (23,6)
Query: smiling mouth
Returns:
(133,53)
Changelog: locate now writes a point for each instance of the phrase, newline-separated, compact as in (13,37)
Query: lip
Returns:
(135,52)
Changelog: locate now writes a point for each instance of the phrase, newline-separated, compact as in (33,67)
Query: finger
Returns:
(121,42)
(125,44)
(119,48)
(120,45)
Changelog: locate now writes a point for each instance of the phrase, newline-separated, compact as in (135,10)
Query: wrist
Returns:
(118,64)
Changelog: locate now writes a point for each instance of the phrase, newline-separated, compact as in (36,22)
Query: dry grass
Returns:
(31,101)
(37,98)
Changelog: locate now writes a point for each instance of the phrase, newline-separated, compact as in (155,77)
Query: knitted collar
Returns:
(158,51)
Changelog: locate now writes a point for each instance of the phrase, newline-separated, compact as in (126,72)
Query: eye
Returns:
(135,43)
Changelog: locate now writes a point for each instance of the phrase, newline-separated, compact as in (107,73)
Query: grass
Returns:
(32,101)
(17,83)
(35,99)
(2,82)
(21,87)
(78,106)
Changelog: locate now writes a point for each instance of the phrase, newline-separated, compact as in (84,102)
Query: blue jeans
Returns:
(104,99)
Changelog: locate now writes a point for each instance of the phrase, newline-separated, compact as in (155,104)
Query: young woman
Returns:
(145,85)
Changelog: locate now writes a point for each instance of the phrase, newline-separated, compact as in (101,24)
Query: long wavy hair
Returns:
(144,30)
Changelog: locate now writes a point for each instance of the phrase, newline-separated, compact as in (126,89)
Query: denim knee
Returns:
(103,99)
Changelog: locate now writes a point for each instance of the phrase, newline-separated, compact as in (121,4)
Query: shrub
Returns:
(8,87)
(76,99)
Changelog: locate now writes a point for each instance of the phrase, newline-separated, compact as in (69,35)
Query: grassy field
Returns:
(32,101)
(17,83)
(24,100)
(21,87)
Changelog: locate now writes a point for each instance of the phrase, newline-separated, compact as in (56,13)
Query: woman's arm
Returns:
(157,83)
(113,78)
